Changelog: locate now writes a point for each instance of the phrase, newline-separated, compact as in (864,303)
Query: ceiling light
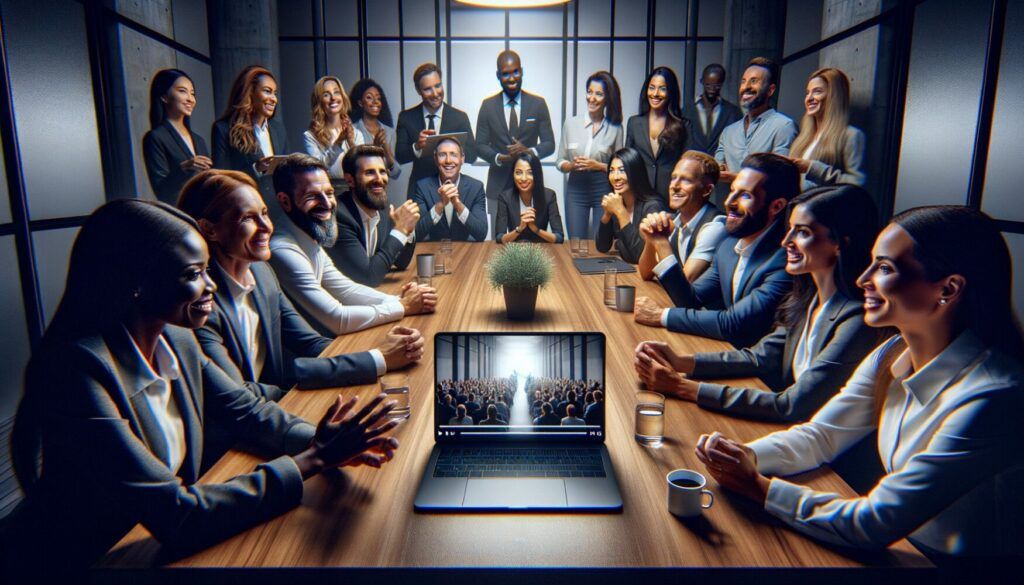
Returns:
(512,3)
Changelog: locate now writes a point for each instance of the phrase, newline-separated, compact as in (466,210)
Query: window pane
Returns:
(52,250)
(297,78)
(382,18)
(472,75)
(1000,197)
(711,18)
(594,56)
(190,25)
(343,61)
(417,53)
(631,19)
(295,17)
(595,17)
(469,21)
(671,54)
(803,25)
(629,55)
(670,18)
(14,345)
(341,18)
(540,22)
(383,60)
(419,17)
(542,75)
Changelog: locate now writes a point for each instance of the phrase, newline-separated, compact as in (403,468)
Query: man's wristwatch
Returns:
(519,229)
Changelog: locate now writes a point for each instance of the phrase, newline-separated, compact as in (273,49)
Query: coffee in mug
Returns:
(686,493)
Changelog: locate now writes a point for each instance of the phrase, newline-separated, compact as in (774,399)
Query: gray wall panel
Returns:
(470,21)
(419,17)
(14,344)
(595,17)
(296,85)
(53,250)
(629,57)
(631,18)
(382,18)
(341,18)
(1002,191)
(295,18)
(539,22)
(670,17)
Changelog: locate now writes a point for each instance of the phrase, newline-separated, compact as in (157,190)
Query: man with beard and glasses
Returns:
(370,242)
(331,300)
(452,205)
(762,129)
(735,299)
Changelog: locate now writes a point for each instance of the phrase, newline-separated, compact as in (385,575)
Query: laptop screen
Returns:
(519,386)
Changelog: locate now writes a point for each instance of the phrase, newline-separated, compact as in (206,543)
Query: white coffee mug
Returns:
(686,493)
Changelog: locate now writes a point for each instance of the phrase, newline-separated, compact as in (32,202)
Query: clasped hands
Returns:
(405,216)
(514,150)
(581,163)
(417,298)
(663,370)
(528,219)
(448,193)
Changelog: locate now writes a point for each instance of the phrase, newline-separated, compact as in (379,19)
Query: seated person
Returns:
(373,235)
(547,417)
(452,206)
(446,408)
(631,200)
(528,212)
(492,416)
(570,417)
(570,400)
(460,418)
(594,414)
(736,299)
(821,335)
(330,299)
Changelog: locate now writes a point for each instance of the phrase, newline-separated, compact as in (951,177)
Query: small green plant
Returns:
(520,265)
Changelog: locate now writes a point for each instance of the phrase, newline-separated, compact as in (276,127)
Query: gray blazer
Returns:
(850,173)
(102,475)
(845,341)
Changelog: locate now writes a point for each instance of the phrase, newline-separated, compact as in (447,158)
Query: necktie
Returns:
(513,120)
(430,121)
(709,113)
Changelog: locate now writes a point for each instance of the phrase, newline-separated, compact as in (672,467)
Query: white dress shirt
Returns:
(156,385)
(745,251)
(426,124)
(708,238)
(803,356)
(951,442)
(449,208)
(370,223)
(249,319)
(262,133)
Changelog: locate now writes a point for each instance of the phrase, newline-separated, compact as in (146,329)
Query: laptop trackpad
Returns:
(515,493)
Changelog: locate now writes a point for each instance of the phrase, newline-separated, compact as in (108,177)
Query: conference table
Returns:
(364,517)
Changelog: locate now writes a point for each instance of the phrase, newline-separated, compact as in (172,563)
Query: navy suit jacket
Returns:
(349,252)
(164,150)
(706,307)
(411,123)
(493,137)
(228,157)
(471,192)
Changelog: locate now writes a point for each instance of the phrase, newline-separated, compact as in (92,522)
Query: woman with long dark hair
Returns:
(945,396)
(118,396)
(172,151)
(371,116)
(247,134)
(587,144)
(626,206)
(660,132)
(828,150)
(529,211)
(820,336)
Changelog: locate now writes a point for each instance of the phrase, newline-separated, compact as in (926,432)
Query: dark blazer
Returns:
(281,328)
(630,243)
(659,168)
(546,208)
(164,150)
(471,192)
(493,138)
(843,342)
(411,123)
(349,252)
(228,157)
(708,143)
(706,307)
(103,472)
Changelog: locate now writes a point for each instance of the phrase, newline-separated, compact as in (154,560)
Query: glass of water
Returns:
(574,246)
(446,254)
(611,280)
(650,419)
(440,262)
(584,249)
(396,387)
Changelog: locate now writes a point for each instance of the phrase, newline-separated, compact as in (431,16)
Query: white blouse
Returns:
(803,357)
(331,156)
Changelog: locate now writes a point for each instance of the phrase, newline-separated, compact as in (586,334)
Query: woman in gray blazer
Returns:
(828,151)
(821,335)
(118,395)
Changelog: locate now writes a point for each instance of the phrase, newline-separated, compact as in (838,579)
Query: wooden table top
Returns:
(364,517)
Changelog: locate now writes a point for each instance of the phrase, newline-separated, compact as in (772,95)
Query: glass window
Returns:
(594,56)
(296,85)
(469,21)
(670,18)
(341,18)
(671,54)
(419,18)
(472,75)
(711,18)
(52,249)
(382,18)
(630,74)
(343,61)
(542,75)
(631,19)
(417,53)
(1000,197)
(540,22)
(383,61)
(295,18)
(595,18)
(14,343)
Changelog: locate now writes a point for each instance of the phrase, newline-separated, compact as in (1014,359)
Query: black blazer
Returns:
(349,252)
(164,150)
(411,123)
(546,207)
(659,168)
(471,192)
(228,157)
(493,138)
(708,143)
(630,243)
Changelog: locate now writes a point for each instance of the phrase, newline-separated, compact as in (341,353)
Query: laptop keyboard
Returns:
(519,462)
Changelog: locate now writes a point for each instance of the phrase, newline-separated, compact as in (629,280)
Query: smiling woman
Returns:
(173,153)
(247,133)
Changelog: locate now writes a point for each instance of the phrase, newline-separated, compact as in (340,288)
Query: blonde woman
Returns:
(247,134)
(828,151)
(330,133)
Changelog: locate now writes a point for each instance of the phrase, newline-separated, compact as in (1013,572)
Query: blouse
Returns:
(579,140)
(330,155)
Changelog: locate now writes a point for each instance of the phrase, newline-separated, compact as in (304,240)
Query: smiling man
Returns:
(736,299)
(452,205)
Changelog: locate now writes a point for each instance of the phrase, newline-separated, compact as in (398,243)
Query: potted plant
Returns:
(519,269)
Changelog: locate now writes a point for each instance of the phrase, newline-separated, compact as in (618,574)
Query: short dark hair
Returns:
(292,166)
(423,71)
(783,175)
(711,69)
(348,163)
(771,66)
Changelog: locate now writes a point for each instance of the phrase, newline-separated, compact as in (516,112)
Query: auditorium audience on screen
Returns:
(371,116)
(373,235)
(331,133)
(828,150)
(172,151)
(247,134)
(660,132)
(492,417)
(735,300)
(331,301)
(762,128)
(452,205)
(944,396)
(528,212)
(630,201)
(510,123)
(570,418)
(710,113)
(476,396)
(460,418)
(593,414)
(820,335)
(686,241)
(118,396)
(584,150)
(547,415)
(431,116)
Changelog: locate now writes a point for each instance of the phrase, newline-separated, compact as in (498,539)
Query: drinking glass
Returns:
(611,280)
(396,387)
(650,419)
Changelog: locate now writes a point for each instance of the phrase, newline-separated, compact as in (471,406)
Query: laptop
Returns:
(519,424)
(598,264)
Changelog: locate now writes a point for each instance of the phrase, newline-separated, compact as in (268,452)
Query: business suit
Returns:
(708,142)
(844,340)
(706,307)
(659,167)
(103,472)
(849,172)
(411,123)
(630,244)
(226,156)
(349,252)
(164,150)
(471,192)
(547,216)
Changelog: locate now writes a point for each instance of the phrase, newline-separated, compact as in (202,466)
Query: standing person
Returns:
(828,150)
(248,134)
(431,116)
(172,151)
(452,205)
(710,113)
(331,133)
(762,128)
(587,144)
(945,396)
(630,201)
(659,132)
(529,212)
(510,123)
(371,116)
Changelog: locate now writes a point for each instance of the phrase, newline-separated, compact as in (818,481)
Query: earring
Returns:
(943,301)
(136,294)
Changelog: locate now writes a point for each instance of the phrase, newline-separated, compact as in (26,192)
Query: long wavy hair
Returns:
(356,94)
(636,173)
(674,134)
(241,108)
(162,83)
(612,95)
(318,119)
(834,121)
